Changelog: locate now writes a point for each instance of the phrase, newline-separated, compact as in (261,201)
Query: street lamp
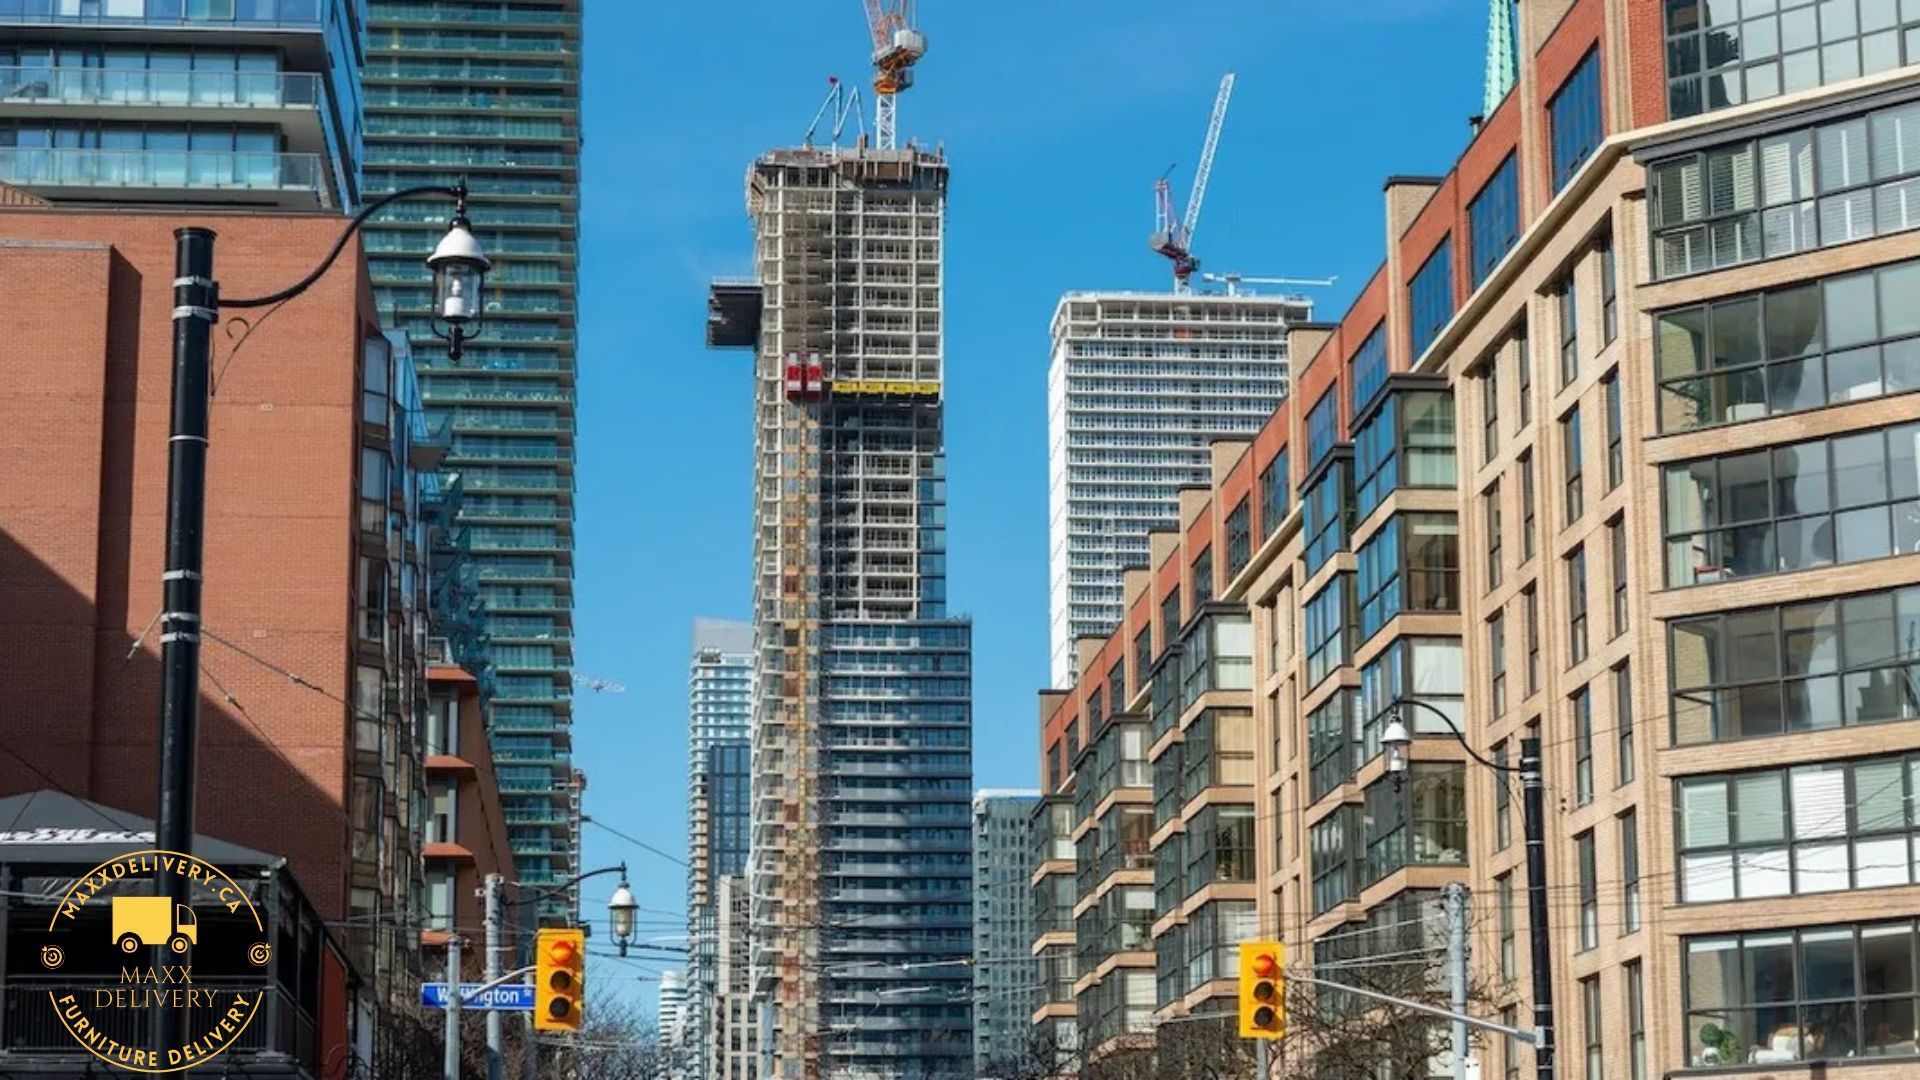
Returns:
(1397,743)
(459,276)
(620,909)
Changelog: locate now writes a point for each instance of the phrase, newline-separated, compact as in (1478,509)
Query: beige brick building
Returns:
(1617,449)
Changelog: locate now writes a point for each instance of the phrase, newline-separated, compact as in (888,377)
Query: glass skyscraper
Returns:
(490,92)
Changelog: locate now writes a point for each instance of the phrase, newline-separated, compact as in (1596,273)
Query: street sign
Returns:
(507,997)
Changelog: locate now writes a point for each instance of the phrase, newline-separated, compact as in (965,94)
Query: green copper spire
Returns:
(1503,51)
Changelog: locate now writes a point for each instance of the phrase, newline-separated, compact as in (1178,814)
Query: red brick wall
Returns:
(1577,34)
(84,422)
(1646,34)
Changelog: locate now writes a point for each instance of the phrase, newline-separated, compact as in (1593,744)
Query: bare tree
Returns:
(617,1043)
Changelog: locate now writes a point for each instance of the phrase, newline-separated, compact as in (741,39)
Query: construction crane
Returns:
(1234,282)
(1172,238)
(897,46)
(842,103)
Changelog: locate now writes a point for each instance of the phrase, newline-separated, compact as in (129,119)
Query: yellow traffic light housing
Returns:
(1263,985)
(560,979)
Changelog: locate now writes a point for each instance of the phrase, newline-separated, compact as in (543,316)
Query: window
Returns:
(1510,1048)
(1333,743)
(1836,340)
(1425,578)
(1239,540)
(1831,827)
(1430,297)
(1609,294)
(1336,868)
(1576,563)
(1117,685)
(1424,669)
(1497,657)
(1407,442)
(1714,60)
(1502,800)
(373,599)
(1636,1022)
(1590,1021)
(1170,618)
(1490,408)
(1629,872)
(1623,723)
(1495,537)
(1532,598)
(1493,219)
(1616,433)
(1529,507)
(1323,424)
(1273,494)
(1369,367)
(1589,891)
(1219,847)
(1846,499)
(1420,822)
(1328,627)
(1326,514)
(1569,322)
(1202,577)
(1617,550)
(377,381)
(1142,655)
(1523,355)
(1831,992)
(1787,192)
(1509,960)
(1571,460)
(1799,667)
(1574,112)
(1582,747)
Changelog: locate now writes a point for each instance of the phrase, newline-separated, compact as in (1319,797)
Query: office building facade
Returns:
(490,94)
(1615,451)
(862,761)
(719,710)
(160,102)
(1138,386)
(1005,977)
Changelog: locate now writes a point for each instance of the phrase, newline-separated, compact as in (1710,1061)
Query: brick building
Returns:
(316,550)
(1617,449)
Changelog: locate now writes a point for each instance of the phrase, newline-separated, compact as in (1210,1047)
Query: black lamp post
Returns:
(459,269)
(1397,742)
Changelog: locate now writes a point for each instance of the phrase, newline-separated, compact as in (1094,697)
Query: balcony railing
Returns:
(218,169)
(294,14)
(179,89)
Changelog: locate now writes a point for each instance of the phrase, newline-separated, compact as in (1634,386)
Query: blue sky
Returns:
(1057,115)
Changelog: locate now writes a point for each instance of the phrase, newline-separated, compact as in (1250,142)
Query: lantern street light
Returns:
(1397,744)
(621,907)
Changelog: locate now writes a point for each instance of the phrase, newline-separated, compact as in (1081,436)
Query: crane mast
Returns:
(1172,238)
(897,46)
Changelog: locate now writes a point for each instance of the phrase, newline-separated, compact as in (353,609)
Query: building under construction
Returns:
(861,725)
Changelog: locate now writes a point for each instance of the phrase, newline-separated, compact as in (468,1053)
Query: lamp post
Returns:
(1397,744)
(459,269)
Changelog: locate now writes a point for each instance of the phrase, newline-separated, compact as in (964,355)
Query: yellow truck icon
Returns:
(153,920)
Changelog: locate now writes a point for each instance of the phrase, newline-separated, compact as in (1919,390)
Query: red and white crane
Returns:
(1174,238)
(897,46)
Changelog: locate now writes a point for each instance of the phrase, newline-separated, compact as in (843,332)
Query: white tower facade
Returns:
(1139,386)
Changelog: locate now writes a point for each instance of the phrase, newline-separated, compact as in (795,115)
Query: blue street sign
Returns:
(507,997)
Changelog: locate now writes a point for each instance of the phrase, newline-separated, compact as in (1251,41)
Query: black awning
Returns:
(54,827)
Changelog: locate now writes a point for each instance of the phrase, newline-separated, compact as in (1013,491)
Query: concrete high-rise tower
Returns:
(861,732)
(1139,387)
(1006,974)
(719,707)
(490,92)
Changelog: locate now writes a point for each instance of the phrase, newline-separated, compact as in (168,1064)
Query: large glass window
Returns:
(1781,996)
(1202,576)
(1369,367)
(1572,464)
(1497,660)
(1408,442)
(1419,821)
(1323,426)
(1329,628)
(1587,859)
(1333,845)
(1831,827)
(1721,54)
(1789,192)
(1801,667)
(1411,564)
(1629,872)
(1216,654)
(1273,494)
(1495,537)
(1845,499)
(1333,743)
(1575,114)
(1493,219)
(1219,846)
(1213,935)
(1576,564)
(1490,408)
(1824,342)
(1582,747)
(1430,297)
(1326,514)
(1424,669)
(1239,539)
(1566,297)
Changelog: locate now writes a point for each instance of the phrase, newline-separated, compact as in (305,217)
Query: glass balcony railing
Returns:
(182,89)
(176,13)
(71,167)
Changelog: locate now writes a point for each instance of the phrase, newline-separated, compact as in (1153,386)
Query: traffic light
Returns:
(560,979)
(1263,1006)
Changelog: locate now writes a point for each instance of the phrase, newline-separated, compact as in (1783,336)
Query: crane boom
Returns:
(897,46)
(1204,169)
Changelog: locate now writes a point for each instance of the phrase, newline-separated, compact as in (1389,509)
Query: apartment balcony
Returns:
(291,100)
(292,182)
